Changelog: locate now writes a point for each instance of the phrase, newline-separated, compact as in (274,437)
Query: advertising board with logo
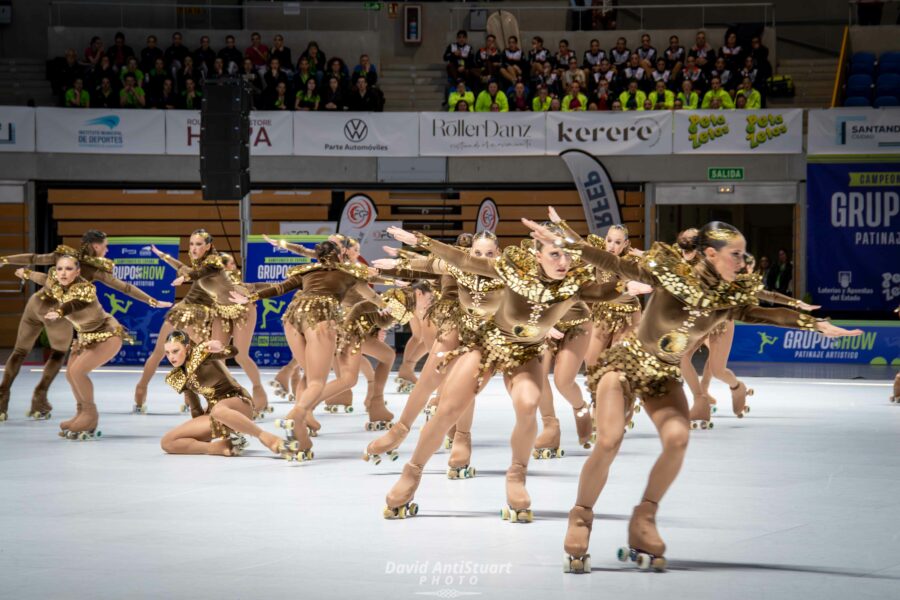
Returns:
(137,265)
(16,129)
(598,197)
(878,345)
(769,131)
(271,133)
(95,131)
(488,216)
(355,134)
(647,132)
(854,131)
(481,134)
(853,248)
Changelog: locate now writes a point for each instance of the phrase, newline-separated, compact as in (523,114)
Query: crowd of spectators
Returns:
(119,77)
(644,78)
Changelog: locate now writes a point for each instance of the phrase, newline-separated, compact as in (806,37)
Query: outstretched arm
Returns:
(454,256)
(785,317)
(28,259)
(295,248)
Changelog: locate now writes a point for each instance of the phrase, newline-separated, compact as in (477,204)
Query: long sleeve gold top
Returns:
(76,302)
(205,373)
(322,279)
(210,275)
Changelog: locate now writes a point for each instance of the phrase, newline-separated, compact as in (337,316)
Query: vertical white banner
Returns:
(598,198)
(17,129)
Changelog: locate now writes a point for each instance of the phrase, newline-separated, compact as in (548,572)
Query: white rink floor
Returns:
(799,500)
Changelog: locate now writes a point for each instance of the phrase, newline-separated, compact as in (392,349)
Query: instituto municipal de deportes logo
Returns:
(356,130)
(101,132)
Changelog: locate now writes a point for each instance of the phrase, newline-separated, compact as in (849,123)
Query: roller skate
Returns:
(312,425)
(739,395)
(387,444)
(279,388)
(40,408)
(448,441)
(405,386)
(286,448)
(66,425)
(547,443)
(584,425)
(261,401)
(431,409)
(518,502)
(237,443)
(577,560)
(701,417)
(290,447)
(460,456)
(4,404)
(379,416)
(645,547)
(84,426)
(344,401)
(399,499)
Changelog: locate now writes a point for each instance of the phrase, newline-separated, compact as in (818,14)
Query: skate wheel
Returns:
(504,514)
(452,473)
(658,563)
(637,408)
(368,427)
(694,425)
(623,554)
(545,453)
(284,423)
(630,424)
(710,425)
(312,432)
(560,452)
(471,472)
(536,454)
(394,455)
(750,391)
(525,516)
(389,513)
(62,433)
(3,416)
(643,561)
(714,409)
(746,410)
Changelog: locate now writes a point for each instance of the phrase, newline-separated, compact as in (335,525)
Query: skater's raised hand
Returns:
(157,251)
(807,307)
(52,315)
(238,298)
(833,331)
(163,304)
(554,216)
(391,251)
(401,284)
(403,236)
(638,288)
(20,273)
(541,233)
(215,346)
(635,252)
(178,280)
(275,243)
(555,334)
(384,263)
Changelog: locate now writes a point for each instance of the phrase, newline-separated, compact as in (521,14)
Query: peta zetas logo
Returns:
(356,130)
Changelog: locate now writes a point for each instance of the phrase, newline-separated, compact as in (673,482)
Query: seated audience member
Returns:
(317,62)
(555,105)
(550,79)
(187,71)
(675,55)
(519,100)
(573,74)
(592,58)
(104,69)
(279,100)
(204,57)
(694,74)
(149,54)
(514,62)
(753,99)
(541,102)
(462,106)
(679,105)
(602,96)
(647,53)
(561,60)
(106,95)
(490,96)
(617,106)
(308,97)
(725,75)
(732,52)
(458,56)
(366,69)
(605,73)
(131,68)
(274,75)
(66,73)
(337,68)
(574,100)
(176,54)
(252,76)
(740,101)
(332,97)
(119,53)
(76,96)
(283,54)
(93,53)
(661,73)
(131,96)
(619,55)
(257,52)
(689,99)
(760,56)
(703,54)
(191,97)
(538,56)
(155,78)
(166,98)
(304,72)
(662,98)
(495,107)
(648,105)
(633,71)
(715,104)
(461,93)
(632,98)
(231,56)
(218,70)
(750,71)
(716,92)
(488,60)
(363,98)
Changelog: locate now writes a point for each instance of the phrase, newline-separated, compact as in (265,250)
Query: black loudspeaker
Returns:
(225,140)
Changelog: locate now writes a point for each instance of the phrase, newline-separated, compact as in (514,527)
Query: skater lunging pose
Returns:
(199,370)
(94,267)
(687,302)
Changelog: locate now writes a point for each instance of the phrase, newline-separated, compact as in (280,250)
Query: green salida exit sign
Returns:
(725,173)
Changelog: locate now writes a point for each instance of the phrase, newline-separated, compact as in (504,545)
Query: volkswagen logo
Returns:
(356,130)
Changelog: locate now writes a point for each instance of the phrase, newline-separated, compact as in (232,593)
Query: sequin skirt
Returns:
(445,314)
(88,339)
(220,430)
(640,372)
(352,335)
(196,316)
(311,310)
(498,352)
(231,315)
(613,316)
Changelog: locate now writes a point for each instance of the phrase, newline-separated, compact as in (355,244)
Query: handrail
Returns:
(841,67)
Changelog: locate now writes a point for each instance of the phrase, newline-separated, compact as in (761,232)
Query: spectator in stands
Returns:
(273,77)
(461,93)
(76,96)
(694,74)
(749,71)
(166,98)
(661,73)
(104,69)
(495,107)
(779,278)
(153,81)
(362,98)
(308,96)
(764,267)
(550,79)
(679,105)
(760,56)
(488,61)
(279,100)
(732,52)
(462,106)
(620,54)
(704,55)
(333,96)
(519,100)
(491,95)
(662,98)
(337,68)
(366,69)
(573,74)
(191,97)
(565,54)
(647,53)
(633,98)
(602,96)
(132,69)
(218,70)
(250,75)
(574,100)
(304,73)
(131,96)
(230,55)
(176,54)
(592,58)
(541,102)
(634,71)
(725,75)
(514,63)
(257,52)
(149,54)
(119,53)
(689,99)
(538,56)
(740,102)
(283,54)
(606,73)
(675,55)
(555,105)
(717,92)
(648,105)
(617,106)
(93,53)
(187,71)
(458,56)
(316,58)
(715,104)
(204,57)
(67,73)
(105,96)
(753,97)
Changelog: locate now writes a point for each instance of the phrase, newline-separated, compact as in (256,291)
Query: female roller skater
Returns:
(310,324)
(541,286)
(100,337)
(94,267)
(687,302)
(199,369)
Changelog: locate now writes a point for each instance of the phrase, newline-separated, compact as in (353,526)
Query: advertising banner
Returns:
(136,264)
(269,264)
(307,227)
(16,129)
(633,132)
(853,246)
(878,345)
(355,134)
(455,134)
(598,198)
(96,131)
(853,131)
(271,133)
(769,131)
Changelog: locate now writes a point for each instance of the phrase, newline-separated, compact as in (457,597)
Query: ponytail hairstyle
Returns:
(485,235)
(555,229)
(328,252)
(688,239)
(91,236)
(624,230)
(716,235)
(422,285)
(207,236)
(70,257)
(179,336)
(464,240)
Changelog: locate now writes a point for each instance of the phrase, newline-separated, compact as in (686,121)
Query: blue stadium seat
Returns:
(888,80)
(863,57)
(891,67)
(882,101)
(863,91)
(865,69)
(856,101)
(893,56)
(860,80)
